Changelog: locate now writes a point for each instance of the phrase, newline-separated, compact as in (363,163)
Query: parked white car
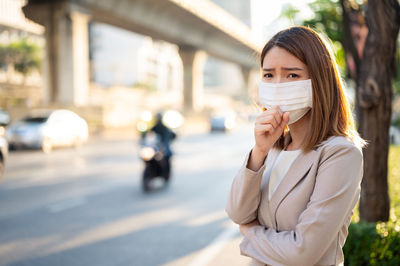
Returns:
(47,129)
(222,121)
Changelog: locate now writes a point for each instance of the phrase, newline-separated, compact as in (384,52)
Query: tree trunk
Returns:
(374,88)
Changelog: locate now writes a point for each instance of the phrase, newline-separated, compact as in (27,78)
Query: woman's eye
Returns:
(293,75)
(267,75)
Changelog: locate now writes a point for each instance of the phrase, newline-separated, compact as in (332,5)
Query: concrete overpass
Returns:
(195,26)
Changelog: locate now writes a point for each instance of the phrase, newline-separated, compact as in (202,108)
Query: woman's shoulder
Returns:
(338,141)
(335,144)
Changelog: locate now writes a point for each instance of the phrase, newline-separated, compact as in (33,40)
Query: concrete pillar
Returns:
(251,77)
(193,89)
(80,51)
(66,66)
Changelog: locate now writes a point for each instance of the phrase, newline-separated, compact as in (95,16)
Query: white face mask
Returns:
(294,97)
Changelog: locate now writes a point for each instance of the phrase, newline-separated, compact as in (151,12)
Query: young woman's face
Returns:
(281,66)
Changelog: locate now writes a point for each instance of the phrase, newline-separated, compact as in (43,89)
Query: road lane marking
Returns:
(70,198)
(66,204)
(117,228)
(209,252)
(206,219)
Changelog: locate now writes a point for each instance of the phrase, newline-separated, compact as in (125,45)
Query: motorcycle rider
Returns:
(166,135)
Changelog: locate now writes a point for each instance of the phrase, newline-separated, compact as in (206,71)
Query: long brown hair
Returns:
(330,113)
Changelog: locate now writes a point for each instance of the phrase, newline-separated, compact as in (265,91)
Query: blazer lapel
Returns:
(267,219)
(295,173)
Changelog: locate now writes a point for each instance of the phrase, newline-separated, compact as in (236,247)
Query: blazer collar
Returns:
(295,173)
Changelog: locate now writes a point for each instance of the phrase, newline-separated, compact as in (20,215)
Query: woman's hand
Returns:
(245,227)
(268,128)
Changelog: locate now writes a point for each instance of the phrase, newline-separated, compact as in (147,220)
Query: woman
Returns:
(293,197)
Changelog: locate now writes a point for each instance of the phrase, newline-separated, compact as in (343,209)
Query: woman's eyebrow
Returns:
(284,68)
(292,68)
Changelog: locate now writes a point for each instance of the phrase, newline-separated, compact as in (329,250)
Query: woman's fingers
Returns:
(274,110)
(264,128)
(285,120)
(268,119)
(269,124)
(286,117)
(272,116)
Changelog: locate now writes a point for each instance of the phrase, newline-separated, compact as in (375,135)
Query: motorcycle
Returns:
(157,163)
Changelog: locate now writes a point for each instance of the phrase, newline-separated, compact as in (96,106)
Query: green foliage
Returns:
(358,243)
(327,18)
(373,244)
(340,56)
(396,83)
(144,86)
(396,122)
(24,55)
(290,12)
(7,55)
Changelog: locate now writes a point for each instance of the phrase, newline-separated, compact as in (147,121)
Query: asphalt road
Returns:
(85,206)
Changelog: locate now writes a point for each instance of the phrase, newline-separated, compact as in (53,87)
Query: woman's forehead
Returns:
(279,57)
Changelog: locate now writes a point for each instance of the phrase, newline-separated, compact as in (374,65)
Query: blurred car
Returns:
(3,152)
(47,129)
(4,118)
(222,121)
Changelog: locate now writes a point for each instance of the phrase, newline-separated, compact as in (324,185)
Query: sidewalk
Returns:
(223,250)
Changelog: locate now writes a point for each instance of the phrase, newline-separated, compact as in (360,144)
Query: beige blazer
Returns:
(306,220)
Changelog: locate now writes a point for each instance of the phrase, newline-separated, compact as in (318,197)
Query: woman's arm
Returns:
(245,194)
(256,160)
(335,194)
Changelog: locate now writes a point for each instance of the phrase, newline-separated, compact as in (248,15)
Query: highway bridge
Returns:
(197,27)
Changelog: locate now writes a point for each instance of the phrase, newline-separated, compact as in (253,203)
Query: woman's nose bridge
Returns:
(278,77)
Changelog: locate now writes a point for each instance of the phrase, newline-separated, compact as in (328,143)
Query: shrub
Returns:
(373,244)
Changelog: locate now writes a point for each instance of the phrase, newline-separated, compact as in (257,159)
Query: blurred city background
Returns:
(81,84)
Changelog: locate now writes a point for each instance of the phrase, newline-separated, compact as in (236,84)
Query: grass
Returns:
(394,181)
